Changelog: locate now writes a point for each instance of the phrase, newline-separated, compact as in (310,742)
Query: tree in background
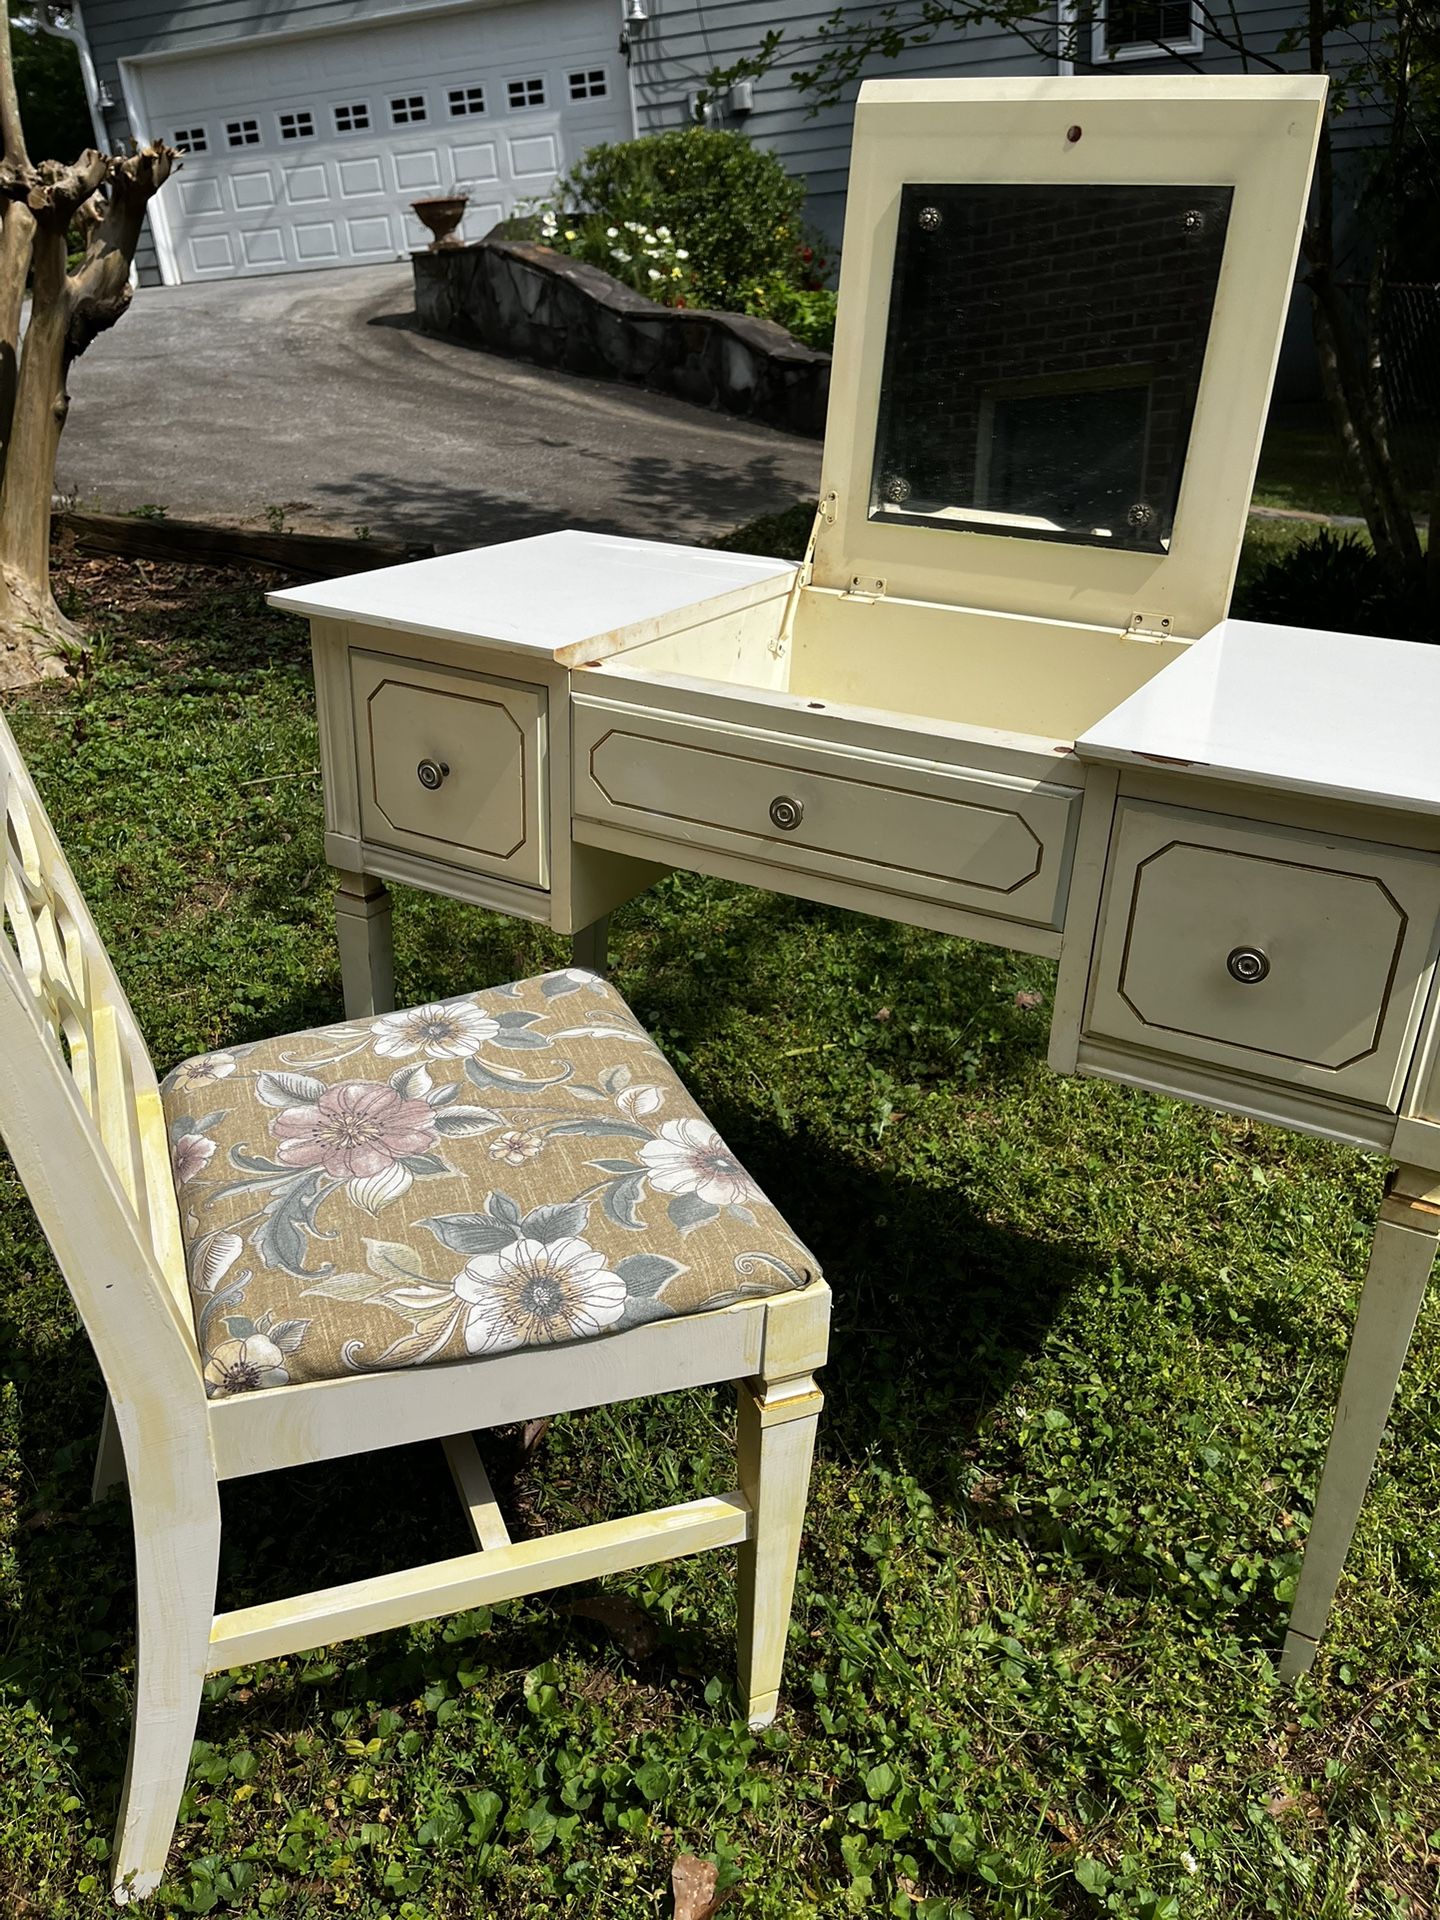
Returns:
(94,204)
(52,94)
(1382,60)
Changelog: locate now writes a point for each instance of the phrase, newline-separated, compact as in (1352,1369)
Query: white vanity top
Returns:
(1338,714)
(565,596)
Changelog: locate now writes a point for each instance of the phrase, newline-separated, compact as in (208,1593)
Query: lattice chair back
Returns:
(81,1117)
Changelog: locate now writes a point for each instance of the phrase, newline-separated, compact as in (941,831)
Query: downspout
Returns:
(73,30)
(633,21)
(1067,26)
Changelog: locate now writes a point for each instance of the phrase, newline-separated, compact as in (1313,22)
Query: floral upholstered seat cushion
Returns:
(507,1169)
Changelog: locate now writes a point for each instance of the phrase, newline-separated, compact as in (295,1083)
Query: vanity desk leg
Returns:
(1400,1261)
(367,953)
(590,946)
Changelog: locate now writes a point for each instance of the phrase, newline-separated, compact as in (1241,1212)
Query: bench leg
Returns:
(177,1557)
(1400,1262)
(775,1442)
(367,953)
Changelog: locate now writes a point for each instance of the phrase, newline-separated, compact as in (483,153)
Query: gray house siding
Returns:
(686,40)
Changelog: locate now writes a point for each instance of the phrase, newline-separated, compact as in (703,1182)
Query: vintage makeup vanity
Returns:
(1001,696)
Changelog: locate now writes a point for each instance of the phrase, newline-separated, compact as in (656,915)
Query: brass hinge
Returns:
(1149,626)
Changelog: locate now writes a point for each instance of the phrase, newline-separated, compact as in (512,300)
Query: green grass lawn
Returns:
(1086,1350)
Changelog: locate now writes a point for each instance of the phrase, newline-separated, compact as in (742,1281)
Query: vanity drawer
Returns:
(1298,957)
(450,765)
(965,838)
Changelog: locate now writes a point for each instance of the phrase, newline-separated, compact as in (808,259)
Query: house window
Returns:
(354,118)
(527,93)
(1141,29)
(242,133)
(297,126)
(408,110)
(465,100)
(589,85)
(191,140)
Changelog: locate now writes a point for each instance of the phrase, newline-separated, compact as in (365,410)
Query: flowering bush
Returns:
(649,259)
(697,217)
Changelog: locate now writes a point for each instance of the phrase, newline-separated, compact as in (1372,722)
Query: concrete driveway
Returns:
(311,393)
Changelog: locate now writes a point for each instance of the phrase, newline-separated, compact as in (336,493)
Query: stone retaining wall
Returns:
(514,297)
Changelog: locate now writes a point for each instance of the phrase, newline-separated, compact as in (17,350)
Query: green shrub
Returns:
(727,211)
(806,312)
(1333,581)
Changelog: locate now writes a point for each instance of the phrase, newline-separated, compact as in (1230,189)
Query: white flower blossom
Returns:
(240,1366)
(440,1032)
(534,1291)
(653,274)
(688,1156)
(202,1071)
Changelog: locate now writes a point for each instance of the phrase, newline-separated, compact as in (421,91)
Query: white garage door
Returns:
(306,152)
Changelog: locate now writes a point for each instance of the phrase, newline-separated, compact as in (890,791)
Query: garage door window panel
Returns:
(396,110)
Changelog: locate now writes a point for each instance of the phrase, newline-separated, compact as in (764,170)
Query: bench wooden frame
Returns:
(81,1116)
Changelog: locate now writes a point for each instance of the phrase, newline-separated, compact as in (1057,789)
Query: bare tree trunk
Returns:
(17,225)
(17,228)
(40,204)
(67,310)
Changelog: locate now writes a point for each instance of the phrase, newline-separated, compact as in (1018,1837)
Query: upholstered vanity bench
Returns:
(493,1208)
(1000,696)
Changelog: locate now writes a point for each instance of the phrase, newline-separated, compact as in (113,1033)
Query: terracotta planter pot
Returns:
(442,216)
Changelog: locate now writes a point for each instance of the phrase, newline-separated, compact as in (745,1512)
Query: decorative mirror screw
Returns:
(432,774)
(786,813)
(1140,516)
(1194,221)
(1248,965)
(931,219)
(897,490)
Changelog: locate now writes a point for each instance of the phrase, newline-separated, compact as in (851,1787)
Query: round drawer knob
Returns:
(1248,965)
(431,774)
(786,813)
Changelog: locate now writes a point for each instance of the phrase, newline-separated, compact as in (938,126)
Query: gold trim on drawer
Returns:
(957,835)
(487,738)
(1338,938)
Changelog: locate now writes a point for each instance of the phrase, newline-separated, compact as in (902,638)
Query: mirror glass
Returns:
(1043,356)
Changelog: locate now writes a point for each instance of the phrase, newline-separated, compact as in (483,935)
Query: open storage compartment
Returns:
(1060,310)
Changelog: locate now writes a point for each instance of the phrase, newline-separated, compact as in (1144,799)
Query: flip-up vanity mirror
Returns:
(1000,697)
